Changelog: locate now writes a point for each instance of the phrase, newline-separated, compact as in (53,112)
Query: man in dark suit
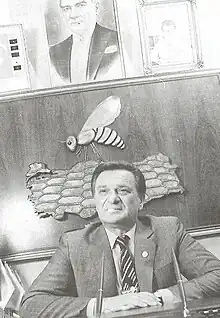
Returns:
(91,52)
(138,259)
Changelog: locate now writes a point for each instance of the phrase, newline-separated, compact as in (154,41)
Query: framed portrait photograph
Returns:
(83,41)
(14,73)
(169,35)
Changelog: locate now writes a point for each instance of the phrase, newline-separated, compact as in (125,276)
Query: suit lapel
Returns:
(60,55)
(99,243)
(145,249)
(97,48)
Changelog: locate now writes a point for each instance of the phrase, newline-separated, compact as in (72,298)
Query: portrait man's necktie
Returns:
(128,274)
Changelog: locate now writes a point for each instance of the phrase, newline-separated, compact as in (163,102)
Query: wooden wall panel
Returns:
(178,118)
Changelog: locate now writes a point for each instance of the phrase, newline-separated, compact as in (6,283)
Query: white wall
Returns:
(209,24)
(30,14)
(5,13)
(208,12)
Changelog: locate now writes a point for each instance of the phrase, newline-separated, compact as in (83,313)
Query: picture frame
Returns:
(169,35)
(14,72)
(96,41)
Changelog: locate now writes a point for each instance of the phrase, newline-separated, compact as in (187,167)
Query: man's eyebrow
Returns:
(118,186)
(75,4)
(80,2)
(125,186)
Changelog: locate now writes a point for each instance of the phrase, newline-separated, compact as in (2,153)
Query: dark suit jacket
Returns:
(60,54)
(71,278)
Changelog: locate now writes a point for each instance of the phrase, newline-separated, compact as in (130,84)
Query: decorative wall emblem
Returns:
(95,129)
(56,192)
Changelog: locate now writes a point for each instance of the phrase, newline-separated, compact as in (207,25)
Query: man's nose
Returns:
(73,12)
(113,197)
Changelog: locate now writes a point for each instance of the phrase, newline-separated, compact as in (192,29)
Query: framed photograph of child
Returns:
(169,35)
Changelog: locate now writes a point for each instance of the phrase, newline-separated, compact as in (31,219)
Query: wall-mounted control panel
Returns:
(14,73)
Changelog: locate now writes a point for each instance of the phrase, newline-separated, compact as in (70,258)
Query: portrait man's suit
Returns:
(103,53)
(74,269)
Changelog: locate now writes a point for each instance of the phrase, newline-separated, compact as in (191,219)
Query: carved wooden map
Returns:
(56,192)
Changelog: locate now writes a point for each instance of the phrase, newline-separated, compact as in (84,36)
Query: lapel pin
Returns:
(145,254)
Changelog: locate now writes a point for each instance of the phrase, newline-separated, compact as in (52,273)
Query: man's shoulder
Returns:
(158,219)
(82,232)
(59,46)
(101,29)
(104,34)
(165,229)
(160,222)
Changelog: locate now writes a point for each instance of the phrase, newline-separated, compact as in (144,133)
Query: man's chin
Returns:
(78,28)
(116,220)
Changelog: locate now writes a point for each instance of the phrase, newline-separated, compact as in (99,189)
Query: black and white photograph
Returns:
(109,159)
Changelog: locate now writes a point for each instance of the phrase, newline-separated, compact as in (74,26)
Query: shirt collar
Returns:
(112,236)
(86,37)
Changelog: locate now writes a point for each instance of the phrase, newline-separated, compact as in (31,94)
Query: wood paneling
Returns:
(178,118)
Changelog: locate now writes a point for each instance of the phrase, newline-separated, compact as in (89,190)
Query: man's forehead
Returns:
(108,177)
(64,3)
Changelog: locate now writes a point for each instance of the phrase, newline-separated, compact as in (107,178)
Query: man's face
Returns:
(169,32)
(116,197)
(80,14)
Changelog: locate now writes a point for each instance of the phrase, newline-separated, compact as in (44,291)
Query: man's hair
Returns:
(93,1)
(121,165)
(168,23)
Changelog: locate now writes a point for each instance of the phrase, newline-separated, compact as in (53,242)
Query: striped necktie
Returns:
(129,279)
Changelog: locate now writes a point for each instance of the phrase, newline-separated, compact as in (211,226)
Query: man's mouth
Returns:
(114,209)
(77,22)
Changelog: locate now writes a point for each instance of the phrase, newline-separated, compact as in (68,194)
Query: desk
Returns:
(198,308)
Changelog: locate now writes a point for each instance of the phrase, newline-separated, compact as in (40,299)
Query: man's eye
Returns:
(81,4)
(102,191)
(123,191)
(66,9)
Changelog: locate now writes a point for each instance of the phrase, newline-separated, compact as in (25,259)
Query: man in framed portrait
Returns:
(91,52)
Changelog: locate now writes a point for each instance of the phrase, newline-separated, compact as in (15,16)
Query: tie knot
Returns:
(123,241)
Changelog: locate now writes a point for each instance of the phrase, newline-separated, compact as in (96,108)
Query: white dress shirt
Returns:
(79,59)
(116,251)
